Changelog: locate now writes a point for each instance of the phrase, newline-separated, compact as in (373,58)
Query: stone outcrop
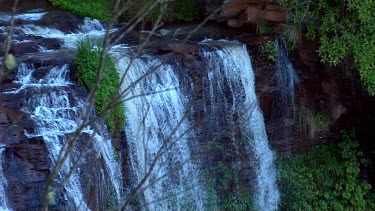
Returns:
(238,13)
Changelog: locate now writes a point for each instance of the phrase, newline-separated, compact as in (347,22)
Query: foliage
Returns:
(314,122)
(264,28)
(182,10)
(221,195)
(186,10)
(345,28)
(268,50)
(87,61)
(325,179)
(99,9)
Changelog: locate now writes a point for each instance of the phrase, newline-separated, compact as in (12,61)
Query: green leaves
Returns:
(268,51)
(325,179)
(345,28)
(186,10)
(87,61)
(99,9)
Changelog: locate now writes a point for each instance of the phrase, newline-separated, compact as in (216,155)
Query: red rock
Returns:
(273,15)
(233,9)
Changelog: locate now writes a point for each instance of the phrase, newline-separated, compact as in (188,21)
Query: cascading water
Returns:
(56,116)
(230,68)
(3,183)
(284,106)
(157,118)
(156,121)
(287,79)
(156,104)
(56,111)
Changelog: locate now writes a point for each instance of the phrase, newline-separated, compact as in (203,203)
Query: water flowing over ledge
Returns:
(162,131)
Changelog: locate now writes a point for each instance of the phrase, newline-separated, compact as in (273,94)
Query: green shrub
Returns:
(222,196)
(87,62)
(182,10)
(325,179)
(186,10)
(345,29)
(98,9)
(268,51)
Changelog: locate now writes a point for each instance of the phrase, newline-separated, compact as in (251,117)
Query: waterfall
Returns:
(231,84)
(287,80)
(90,28)
(284,107)
(156,119)
(56,111)
(3,182)
(155,106)
(57,116)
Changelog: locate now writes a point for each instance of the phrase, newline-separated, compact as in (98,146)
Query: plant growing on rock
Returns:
(268,51)
(87,61)
(345,28)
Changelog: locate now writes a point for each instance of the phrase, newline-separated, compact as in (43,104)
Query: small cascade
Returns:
(284,107)
(156,114)
(104,147)
(3,183)
(287,80)
(92,29)
(56,110)
(55,118)
(230,83)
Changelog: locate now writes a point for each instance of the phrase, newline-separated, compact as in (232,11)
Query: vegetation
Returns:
(182,10)
(345,29)
(221,195)
(325,179)
(98,9)
(268,51)
(186,10)
(87,61)
(313,122)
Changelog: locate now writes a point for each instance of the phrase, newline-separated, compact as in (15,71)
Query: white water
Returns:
(287,79)
(25,16)
(156,121)
(230,66)
(105,148)
(3,183)
(283,113)
(91,29)
(56,117)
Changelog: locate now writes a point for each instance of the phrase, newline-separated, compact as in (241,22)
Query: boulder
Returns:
(63,21)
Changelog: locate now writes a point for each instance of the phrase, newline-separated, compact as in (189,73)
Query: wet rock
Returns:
(63,21)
